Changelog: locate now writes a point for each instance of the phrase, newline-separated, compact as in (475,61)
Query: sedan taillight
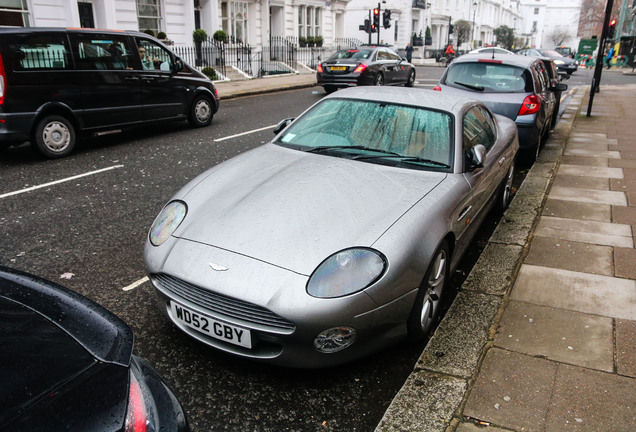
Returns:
(360,68)
(437,88)
(531,104)
(136,418)
(3,81)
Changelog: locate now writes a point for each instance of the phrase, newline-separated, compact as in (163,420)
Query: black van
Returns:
(56,83)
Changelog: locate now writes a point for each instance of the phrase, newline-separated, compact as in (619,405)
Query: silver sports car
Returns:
(336,238)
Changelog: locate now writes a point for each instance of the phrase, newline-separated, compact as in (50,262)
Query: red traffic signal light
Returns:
(376,18)
(611,31)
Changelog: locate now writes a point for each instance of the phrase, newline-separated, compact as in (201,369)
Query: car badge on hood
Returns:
(218,267)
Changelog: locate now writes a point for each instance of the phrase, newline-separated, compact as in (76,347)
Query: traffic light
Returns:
(366,26)
(386,19)
(451,29)
(376,20)
(611,31)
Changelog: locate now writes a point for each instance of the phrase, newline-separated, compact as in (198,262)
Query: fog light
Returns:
(335,339)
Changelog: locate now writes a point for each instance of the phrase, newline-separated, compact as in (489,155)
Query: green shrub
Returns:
(220,36)
(162,35)
(199,35)
(210,73)
(149,32)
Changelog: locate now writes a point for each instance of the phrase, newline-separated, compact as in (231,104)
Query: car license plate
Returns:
(210,326)
(338,68)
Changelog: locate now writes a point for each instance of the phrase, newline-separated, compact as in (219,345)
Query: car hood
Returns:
(293,209)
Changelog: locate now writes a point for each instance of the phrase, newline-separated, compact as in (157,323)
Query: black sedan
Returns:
(366,65)
(563,63)
(66,363)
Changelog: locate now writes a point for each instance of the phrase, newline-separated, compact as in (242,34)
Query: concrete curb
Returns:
(433,396)
(231,90)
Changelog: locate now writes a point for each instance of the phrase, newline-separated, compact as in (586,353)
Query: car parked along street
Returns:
(338,237)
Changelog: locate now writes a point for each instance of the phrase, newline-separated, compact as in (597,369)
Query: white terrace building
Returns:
(249,21)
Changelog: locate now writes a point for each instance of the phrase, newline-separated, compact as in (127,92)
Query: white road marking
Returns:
(244,133)
(32,188)
(134,285)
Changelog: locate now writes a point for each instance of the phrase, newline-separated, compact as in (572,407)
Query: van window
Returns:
(94,52)
(41,52)
(153,56)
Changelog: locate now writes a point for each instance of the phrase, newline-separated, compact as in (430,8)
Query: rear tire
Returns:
(379,79)
(330,89)
(410,82)
(54,136)
(201,111)
(427,304)
(505,193)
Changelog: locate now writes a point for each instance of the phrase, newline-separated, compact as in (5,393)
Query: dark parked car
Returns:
(366,65)
(66,364)
(515,86)
(58,83)
(563,63)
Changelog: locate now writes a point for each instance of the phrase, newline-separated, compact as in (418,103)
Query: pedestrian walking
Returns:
(409,52)
(610,54)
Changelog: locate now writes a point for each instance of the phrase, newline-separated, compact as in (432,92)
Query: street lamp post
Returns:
(472,33)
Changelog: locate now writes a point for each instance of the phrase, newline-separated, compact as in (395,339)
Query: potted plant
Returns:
(210,73)
(149,32)
(318,40)
(220,36)
(199,36)
(302,41)
(428,39)
(417,40)
(311,41)
(161,35)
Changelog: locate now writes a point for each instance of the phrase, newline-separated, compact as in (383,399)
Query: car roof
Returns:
(22,30)
(423,98)
(508,59)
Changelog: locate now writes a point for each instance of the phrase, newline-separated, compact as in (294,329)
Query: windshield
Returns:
(377,132)
(489,77)
(350,54)
(551,53)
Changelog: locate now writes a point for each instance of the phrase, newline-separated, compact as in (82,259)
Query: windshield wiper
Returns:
(406,159)
(470,86)
(346,148)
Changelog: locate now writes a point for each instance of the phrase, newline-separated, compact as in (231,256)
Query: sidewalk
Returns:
(542,335)
(233,89)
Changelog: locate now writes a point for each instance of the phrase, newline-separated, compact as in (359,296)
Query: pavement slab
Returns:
(583,292)
(587,171)
(556,334)
(588,196)
(574,210)
(512,390)
(625,261)
(582,182)
(596,232)
(584,160)
(592,153)
(575,256)
(626,347)
(586,400)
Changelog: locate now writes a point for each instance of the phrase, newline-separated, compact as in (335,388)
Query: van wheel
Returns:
(201,112)
(54,136)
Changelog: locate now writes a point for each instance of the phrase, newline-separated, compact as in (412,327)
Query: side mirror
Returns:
(476,157)
(282,125)
(177,66)
(560,87)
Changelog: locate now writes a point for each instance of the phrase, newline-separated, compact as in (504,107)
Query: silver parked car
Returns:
(338,237)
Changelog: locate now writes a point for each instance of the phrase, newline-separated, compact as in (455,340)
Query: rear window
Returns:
(351,54)
(41,52)
(489,78)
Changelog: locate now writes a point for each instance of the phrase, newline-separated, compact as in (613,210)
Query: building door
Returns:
(87,20)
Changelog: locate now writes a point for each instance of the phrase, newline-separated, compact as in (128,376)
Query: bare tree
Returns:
(558,35)
(463,31)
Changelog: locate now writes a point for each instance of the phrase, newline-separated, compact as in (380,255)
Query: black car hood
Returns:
(51,339)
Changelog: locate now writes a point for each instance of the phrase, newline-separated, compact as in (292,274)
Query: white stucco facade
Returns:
(543,17)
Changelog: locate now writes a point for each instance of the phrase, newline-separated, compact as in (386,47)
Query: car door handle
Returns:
(464,212)
(131,78)
(502,160)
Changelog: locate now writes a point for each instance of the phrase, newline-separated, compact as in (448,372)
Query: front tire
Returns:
(201,112)
(505,195)
(379,79)
(54,136)
(427,304)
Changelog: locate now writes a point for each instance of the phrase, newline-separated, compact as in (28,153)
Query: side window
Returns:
(383,55)
(479,128)
(101,52)
(153,56)
(393,56)
(41,52)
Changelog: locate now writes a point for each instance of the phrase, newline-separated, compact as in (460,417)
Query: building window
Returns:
(309,21)
(234,19)
(536,11)
(149,16)
(14,13)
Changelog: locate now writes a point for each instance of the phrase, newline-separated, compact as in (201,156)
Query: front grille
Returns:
(223,305)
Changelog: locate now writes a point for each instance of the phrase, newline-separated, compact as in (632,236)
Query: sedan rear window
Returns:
(377,132)
(350,54)
(489,78)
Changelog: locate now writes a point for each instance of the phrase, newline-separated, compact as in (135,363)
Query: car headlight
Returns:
(167,222)
(346,272)
(559,62)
